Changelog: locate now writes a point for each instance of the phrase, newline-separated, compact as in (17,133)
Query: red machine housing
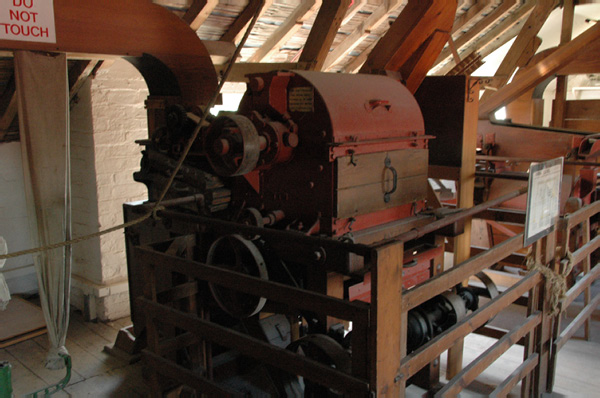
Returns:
(337,152)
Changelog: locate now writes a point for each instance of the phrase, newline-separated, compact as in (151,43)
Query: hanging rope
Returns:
(557,281)
(157,206)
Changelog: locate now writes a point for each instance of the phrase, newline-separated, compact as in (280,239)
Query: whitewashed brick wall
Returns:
(105,123)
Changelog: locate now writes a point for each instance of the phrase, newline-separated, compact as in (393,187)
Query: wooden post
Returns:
(466,186)
(560,98)
(389,327)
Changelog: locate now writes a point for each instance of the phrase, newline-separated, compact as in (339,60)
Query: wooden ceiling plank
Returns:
(322,33)
(528,32)
(198,12)
(475,12)
(480,26)
(537,73)
(354,8)
(286,30)
(238,27)
(241,69)
(358,61)
(373,21)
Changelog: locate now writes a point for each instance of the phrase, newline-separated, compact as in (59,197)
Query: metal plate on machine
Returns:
(301,99)
(543,199)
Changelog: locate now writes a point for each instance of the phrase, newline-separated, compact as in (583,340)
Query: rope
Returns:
(157,206)
(557,281)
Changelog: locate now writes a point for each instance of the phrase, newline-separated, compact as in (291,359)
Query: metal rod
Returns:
(177,201)
(503,176)
(451,219)
(214,223)
(530,160)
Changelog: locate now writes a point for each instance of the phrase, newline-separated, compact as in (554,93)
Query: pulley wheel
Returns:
(325,350)
(238,254)
(232,145)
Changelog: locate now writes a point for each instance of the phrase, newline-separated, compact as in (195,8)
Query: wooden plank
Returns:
(255,348)
(365,199)
(476,11)
(583,125)
(442,282)
(584,251)
(386,293)
(198,12)
(323,32)
(579,216)
(580,286)
(582,109)
(238,27)
(286,30)
(483,361)
(515,377)
(80,74)
(294,297)
(528,32)
(354,65)
(186,376)
(361,32)
(425,354)
(576,323)
(535,74)
(370,168)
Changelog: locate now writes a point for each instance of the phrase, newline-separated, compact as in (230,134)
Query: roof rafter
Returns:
(238,27)
(286,30)
(198,12)
(323,32)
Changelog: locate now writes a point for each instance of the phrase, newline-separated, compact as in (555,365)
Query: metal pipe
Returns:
(177,201)
(530,160)
(451,219)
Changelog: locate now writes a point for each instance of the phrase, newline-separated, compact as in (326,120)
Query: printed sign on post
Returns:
(27,20)
(543,199)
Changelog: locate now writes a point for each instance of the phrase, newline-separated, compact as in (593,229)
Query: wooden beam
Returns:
(373,21)
(198,12)
(8,107)
(354,8)
(132,33)
(415,24)
(323,32)
(528,32)
(359,60)
(286,30)
(414,28)
(535,74)
(480,26)
(476,11)
(493,39)
(79,73)
(560,97)
(240,70)
(238,27)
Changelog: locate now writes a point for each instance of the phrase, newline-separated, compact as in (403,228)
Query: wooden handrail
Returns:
(515,377)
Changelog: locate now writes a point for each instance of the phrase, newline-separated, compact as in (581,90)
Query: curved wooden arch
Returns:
(132,28)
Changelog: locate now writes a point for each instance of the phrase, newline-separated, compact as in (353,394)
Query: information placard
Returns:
(543,199)
(27,20)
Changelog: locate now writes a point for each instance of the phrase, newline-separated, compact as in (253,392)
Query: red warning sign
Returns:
(27,20)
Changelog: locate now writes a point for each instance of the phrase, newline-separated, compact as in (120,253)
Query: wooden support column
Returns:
(323,32)
(389,326)
(560,98)
(466,187)
(529,31)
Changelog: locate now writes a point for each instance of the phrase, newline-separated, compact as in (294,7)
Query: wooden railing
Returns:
(582,255)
